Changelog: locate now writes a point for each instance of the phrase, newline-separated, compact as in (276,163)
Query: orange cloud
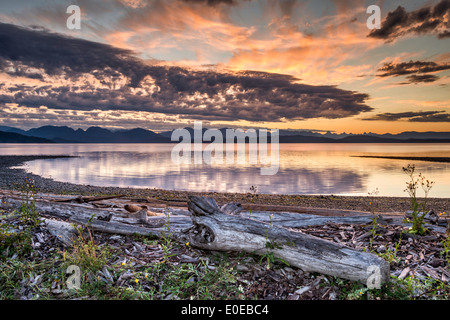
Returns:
(286,39)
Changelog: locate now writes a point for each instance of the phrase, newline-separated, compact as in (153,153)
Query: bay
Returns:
(307,168)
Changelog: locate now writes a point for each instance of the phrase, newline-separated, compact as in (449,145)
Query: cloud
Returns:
(416,71)
(27,117)
(427,20)
(85,75)
(416,78)
(412,116)
(212,2)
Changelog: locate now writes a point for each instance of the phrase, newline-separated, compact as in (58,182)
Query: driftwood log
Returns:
(208,227)
(213,229)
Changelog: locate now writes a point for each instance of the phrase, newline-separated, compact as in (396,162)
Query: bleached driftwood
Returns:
(215,230)
(64,231)
(228,229)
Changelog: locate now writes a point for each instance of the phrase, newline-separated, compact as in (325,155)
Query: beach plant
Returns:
(390,255)
(166,239)
(446,242)
(27,210)
(373,207)
(253,194)
(270,246)
(418,208)
(269,256)
(446,251)
(85,252)
(13,241)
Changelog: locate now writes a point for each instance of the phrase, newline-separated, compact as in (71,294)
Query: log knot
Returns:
(202,234)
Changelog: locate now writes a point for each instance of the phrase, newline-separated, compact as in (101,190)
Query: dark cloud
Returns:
(418,78)
(420,116)
(428,20)
(405,68)
(254,96)
(416,71)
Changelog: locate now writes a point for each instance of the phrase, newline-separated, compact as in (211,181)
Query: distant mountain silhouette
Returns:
(12,129)
(12,137)
(304,136)
(379,139)
(97,135)
(64,134)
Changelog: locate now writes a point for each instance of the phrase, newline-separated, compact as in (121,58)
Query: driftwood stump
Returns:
(214,229)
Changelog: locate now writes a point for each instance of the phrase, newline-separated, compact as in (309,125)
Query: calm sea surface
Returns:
(303,168)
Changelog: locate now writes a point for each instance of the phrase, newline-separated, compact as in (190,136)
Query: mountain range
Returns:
(64,134)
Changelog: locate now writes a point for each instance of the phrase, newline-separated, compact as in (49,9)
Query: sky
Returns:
(279,64)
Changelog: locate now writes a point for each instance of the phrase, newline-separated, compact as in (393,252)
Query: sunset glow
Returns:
(283,64)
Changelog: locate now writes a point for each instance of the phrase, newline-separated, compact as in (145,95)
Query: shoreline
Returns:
(10,178)
(430,159)
(123,262)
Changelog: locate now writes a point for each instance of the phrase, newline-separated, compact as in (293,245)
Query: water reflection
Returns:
(303,168)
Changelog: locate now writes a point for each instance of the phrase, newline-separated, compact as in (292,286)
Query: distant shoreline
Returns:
(431,159)
(9,178)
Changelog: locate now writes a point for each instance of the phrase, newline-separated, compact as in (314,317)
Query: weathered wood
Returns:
(118,228)
(304,210)
(64,231)
(296,220)
(215,230)
(81,199)
(280,219)
(208,227)
(106,220)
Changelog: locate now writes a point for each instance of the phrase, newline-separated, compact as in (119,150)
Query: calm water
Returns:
(303,168)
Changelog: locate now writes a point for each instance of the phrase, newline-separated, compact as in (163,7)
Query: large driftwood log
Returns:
(228,229)
(215,230)
(109,221)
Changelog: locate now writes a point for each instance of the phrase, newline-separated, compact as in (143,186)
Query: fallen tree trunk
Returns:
(215,230)
(227,229)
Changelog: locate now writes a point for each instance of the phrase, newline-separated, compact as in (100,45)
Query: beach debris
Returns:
(215,230)
(63,231)
(132,208)
(423,255)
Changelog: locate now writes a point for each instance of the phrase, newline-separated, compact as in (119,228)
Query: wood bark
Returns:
(215,230)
